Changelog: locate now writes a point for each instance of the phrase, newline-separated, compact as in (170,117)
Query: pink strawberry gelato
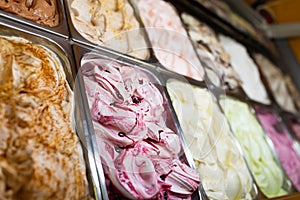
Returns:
(283,144)
(139,153)
(169,39)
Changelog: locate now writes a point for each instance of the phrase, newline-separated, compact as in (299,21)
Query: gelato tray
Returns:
(258,149)
(141,150)
(41,156)
(169,39)
(47,15)
(111,25)
(276,83)
(282,141)
(224,173)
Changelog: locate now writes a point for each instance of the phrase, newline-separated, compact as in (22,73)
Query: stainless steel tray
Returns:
(64,52)
(166,75)
(79,51)
(77,37)
(61,29)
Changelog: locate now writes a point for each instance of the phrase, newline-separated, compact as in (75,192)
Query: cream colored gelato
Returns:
(40,154)
(211,53)
(267,173)
(276,82)
(223,171)
(169,39)
(109,23)
(246,68)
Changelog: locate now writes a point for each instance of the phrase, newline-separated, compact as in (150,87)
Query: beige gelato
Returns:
(276,82)
(109,23)
(222,170)
(40,154)
(246,68)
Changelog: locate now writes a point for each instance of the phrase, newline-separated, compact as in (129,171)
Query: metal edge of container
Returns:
(167,76)
(62,50)
(98,173)
(288,183)
(61,29)
(78,38)
(154,76)
(152,58)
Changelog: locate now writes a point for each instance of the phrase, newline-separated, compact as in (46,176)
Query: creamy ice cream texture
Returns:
(211,53)
(246,68)
(41,11)
(283,144)
(221,167)
(169,39)
(140,154)
(267,173)
(276,82)
(40,154)
(109,23)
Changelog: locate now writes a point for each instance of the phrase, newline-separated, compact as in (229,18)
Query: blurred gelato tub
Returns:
(215,60)
(41,155)
(267,172)
(170,42)
(222,169)
(111,24)
(246,68)
(47,15)
(276,83)
(140,149)
(283,143)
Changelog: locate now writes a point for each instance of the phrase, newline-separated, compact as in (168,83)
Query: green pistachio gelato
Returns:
(267,173)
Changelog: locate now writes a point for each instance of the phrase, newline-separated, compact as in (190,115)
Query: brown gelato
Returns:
(40,154)
(41,11)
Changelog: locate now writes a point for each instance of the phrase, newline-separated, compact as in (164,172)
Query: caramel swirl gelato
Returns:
(40,154)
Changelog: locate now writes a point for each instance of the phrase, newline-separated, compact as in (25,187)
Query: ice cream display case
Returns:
(47,15)
(142,99)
